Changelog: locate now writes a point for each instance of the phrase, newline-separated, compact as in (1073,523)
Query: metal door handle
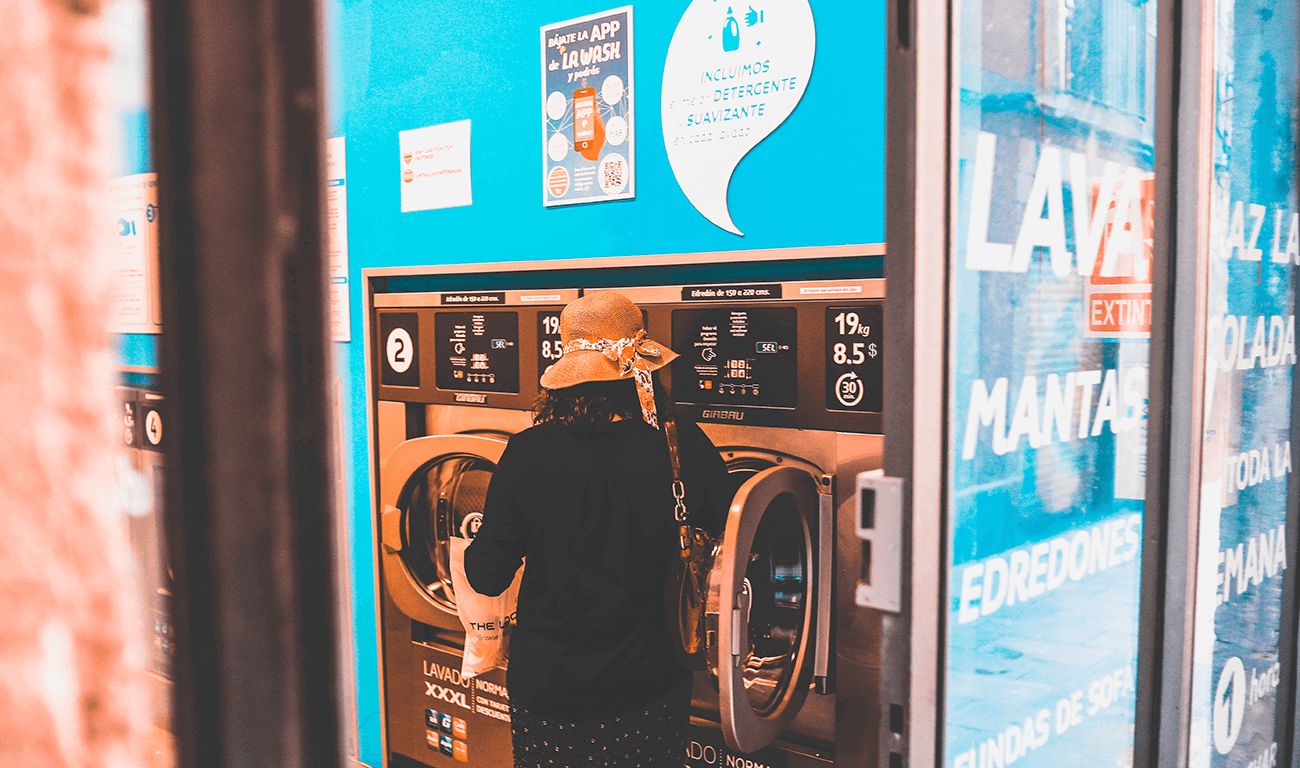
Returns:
(390,529)
(822,682)
(740,624)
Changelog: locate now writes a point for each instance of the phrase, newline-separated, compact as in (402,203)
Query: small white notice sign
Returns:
(135,305)
(435,167)
(336,237)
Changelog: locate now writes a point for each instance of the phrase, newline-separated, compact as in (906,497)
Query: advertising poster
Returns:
(733,74)
(336,237)
(135,307)
(588,128)
(1246,460)
(1050,317)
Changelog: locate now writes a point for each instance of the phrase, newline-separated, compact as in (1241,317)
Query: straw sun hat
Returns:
(603,339)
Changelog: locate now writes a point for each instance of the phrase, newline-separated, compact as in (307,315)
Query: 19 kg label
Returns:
(854,358)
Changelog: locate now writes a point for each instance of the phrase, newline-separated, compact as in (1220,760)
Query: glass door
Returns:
(762,606)
(431,490)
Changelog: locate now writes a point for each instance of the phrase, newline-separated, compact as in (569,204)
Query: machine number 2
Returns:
(399,345)
(400,350)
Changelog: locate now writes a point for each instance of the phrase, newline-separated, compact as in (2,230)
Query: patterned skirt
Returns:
(654,737)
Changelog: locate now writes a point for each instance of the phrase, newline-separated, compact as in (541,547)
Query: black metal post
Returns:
(237,146)
(1158,529)
(918,62)
(1289,640)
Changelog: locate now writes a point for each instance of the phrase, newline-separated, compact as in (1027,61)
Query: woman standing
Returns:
(586,497)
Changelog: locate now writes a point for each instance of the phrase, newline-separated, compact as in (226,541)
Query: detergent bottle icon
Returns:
(730,33)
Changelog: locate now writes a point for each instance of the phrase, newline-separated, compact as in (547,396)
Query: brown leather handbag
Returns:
(687,588)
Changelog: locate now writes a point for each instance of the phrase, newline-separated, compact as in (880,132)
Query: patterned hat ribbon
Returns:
(633,355)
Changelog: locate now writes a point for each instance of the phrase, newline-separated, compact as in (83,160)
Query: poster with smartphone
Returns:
(587,118)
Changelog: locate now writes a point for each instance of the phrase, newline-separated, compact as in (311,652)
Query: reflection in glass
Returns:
(776,583)
(1250,359)
(1049,321)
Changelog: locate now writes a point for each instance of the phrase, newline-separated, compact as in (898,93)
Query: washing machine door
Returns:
(431,490)
(761,606)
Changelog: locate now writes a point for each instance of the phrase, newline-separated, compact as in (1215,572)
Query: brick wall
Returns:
(72,681)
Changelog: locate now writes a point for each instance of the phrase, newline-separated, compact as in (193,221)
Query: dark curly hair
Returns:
(592,404)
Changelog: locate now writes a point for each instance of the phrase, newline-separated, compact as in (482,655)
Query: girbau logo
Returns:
(713,413)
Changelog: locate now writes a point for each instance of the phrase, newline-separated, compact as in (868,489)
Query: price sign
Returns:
(399,346)
(854,358)
(128,423)
(549,346)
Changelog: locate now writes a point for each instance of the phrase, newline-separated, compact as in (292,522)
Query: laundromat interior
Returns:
(1012,484)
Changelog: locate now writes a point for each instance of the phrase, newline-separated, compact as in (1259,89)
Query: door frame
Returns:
(916,274)
(1177,375)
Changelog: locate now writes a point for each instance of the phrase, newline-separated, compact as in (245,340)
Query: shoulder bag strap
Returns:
(679,489)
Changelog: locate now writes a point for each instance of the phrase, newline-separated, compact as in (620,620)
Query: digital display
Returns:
(477,351)
(736,356)
(855,347)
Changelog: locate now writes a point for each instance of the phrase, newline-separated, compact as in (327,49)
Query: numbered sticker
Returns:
(153,428)
(399,336)
(401,351)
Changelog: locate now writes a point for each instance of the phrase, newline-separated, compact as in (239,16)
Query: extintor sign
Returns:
(1118,293)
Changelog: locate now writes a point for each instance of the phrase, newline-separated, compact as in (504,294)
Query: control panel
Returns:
(806,354)
(477,351)
(741,356)
(484,349)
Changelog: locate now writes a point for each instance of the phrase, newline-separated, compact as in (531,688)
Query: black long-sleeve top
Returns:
(592,511)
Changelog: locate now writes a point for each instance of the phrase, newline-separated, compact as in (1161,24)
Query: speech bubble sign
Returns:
(734,72)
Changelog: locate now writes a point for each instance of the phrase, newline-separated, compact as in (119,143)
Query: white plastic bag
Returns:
(487,620)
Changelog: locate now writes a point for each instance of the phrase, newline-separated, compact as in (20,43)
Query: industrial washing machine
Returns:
(141,480)
(785,377)
(454,376)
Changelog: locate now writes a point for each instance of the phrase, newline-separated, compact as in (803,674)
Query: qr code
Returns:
(613,174)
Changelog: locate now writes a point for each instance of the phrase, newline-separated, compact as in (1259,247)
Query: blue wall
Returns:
(818,180)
